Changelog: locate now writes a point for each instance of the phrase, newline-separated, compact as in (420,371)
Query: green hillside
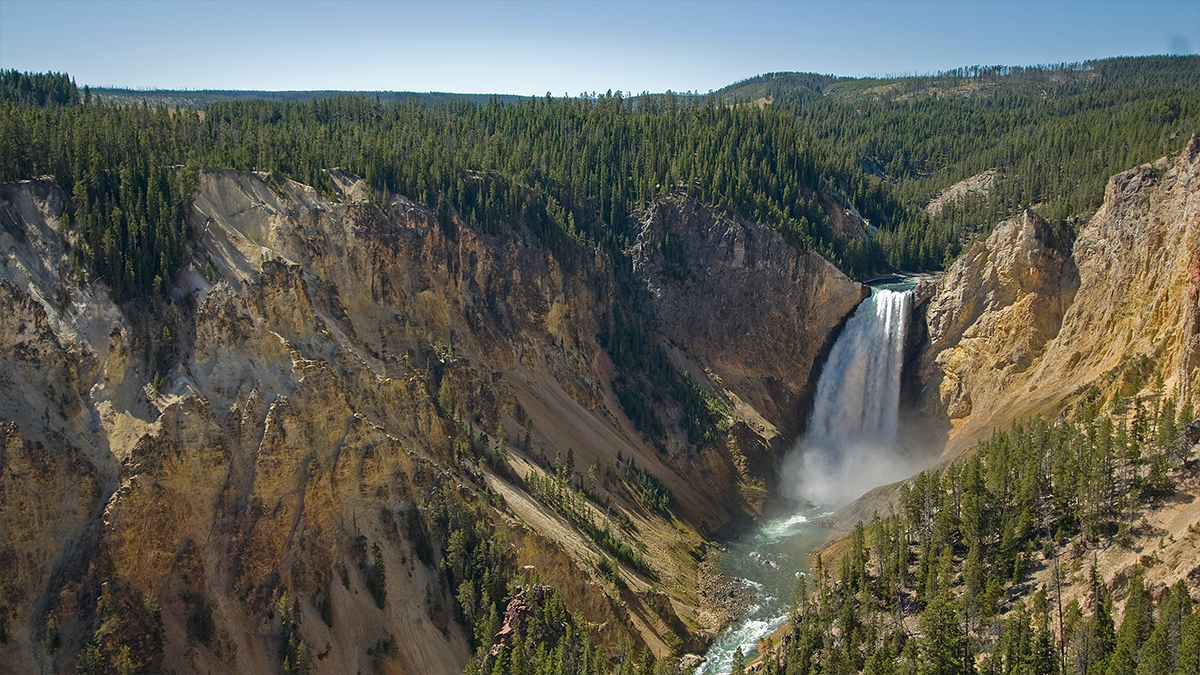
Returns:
(883,147)
(1054,134)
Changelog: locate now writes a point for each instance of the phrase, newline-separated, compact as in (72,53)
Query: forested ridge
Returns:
(577,169)
(1053,133)
(574,169)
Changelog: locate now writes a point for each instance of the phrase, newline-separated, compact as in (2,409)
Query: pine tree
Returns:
(942,641)
(739,663)
(1103,635)
(501,443)
(1161,650)
(1188,661)
(377,578)
(1135,630)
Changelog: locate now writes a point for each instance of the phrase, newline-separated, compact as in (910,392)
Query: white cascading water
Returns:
(851,445)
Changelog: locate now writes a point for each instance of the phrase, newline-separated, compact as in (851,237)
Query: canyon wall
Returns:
(745,313)
(1019,324)
(211,482)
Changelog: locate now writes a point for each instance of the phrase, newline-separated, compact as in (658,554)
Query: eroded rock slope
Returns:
(210,484)
(1018,324)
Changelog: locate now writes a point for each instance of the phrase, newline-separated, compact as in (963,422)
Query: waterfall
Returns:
(852,445)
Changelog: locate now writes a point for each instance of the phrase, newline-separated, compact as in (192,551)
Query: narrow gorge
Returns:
(320,416)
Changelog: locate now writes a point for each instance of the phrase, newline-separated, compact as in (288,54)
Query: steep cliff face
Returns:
(326,392)
(749,309)
(1015,327)
(990,317)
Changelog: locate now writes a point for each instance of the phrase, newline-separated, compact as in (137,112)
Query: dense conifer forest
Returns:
(1054,134)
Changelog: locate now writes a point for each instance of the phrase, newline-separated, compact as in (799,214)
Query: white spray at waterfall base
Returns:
(851,445)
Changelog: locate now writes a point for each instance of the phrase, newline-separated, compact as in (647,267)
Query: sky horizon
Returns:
(534,48)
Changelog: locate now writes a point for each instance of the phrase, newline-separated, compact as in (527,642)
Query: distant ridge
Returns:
(977,80)
(198,98)
(780,88)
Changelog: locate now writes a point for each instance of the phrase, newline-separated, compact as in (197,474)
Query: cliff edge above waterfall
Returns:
(1018,325)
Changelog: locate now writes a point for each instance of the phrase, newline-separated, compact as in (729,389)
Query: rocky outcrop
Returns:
(1017,325)
(744,305)
(1139,270)
(990,317)
(516,615)
(187,477)
(979,184)
(240,473)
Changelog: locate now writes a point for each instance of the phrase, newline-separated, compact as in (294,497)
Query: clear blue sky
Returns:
(562,47)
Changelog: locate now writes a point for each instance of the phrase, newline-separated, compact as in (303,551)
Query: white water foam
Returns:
(777,530)
(851,445)
(744,636)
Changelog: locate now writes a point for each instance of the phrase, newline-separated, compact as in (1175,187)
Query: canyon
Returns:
(337,373)
(328,374)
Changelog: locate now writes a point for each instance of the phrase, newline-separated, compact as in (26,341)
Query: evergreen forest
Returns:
(967,575)
(577,170)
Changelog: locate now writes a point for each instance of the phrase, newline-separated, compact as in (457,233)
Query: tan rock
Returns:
(1015,327)
(298,417)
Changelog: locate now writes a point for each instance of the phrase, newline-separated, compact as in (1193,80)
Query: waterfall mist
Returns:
(852,445)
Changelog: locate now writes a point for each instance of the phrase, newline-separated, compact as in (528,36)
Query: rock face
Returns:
(1016,325)
(980,184)
(745,305)
(214,489)
(990,317)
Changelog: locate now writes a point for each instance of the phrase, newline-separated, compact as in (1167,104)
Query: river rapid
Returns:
(771,559)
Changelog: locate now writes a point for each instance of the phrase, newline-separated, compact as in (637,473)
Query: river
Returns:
(771,559)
